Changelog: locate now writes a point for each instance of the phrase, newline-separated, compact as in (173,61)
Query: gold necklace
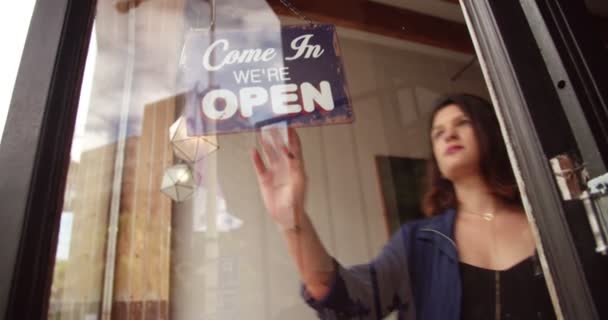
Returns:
(488,216)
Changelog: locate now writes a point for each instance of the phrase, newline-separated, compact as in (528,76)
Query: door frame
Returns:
(35,152)
(535,102)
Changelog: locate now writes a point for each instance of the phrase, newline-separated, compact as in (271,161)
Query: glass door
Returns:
(158,207)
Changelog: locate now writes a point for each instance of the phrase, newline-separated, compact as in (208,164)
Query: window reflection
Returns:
(134,253)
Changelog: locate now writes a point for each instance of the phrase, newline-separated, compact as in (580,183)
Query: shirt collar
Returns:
(440,230)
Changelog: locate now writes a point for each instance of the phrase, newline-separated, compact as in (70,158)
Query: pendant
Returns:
(488,216)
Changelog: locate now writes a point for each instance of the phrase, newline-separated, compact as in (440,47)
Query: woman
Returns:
(473,258)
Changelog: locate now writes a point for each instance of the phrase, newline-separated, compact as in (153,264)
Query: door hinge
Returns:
(595,200)
(574,184)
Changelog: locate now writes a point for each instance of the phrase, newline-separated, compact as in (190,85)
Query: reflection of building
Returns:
(141,276)
(143,249)
(90,184)
(172,256)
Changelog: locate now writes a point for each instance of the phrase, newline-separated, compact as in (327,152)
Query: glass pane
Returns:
(14,22)
(163,215)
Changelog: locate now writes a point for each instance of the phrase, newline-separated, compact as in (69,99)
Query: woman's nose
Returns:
(450,134)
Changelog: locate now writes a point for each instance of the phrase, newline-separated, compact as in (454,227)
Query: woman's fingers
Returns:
(294,142)
(287,153)
(260,167)
(277,140)
(269,151)
(277,150)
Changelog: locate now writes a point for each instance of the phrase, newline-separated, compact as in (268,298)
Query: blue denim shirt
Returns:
(416,274)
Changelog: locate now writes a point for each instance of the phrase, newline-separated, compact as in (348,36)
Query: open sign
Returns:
(240,79)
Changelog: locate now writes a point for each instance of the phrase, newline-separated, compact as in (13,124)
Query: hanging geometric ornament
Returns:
(188,148)
(178,182)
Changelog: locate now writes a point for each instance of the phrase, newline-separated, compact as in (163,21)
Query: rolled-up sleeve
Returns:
(369,291)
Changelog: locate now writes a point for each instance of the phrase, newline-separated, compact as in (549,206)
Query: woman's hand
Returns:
(282,179)
(282,183)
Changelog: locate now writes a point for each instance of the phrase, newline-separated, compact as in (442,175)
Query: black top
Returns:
(518,293)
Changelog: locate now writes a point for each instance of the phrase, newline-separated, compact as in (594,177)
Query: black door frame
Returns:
(579,58)
(539,93)
(35,151)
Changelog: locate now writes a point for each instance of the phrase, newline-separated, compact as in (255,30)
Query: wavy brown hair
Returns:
(494,161)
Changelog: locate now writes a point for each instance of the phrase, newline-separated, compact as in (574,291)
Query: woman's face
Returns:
(454,143)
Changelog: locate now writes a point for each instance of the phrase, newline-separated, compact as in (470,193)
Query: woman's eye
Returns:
(463,122)
(437,134)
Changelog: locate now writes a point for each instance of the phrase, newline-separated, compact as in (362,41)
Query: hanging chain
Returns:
(212,14)
(295,11)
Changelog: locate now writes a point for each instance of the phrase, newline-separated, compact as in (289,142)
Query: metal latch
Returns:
(574,183)
(596,205)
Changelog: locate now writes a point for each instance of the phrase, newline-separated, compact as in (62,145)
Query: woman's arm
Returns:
(372,290)
(368,291)
(314,264)
(282,181)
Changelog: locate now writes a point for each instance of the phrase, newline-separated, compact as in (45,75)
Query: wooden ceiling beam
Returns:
(384,20)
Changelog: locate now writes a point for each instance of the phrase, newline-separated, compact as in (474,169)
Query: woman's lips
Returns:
(453,149)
